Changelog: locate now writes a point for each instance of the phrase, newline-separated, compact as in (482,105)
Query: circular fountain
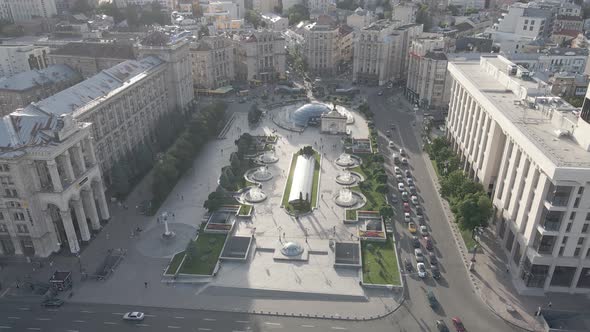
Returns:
(349,199)
(260,174)
(346,160)
(269,157)
(348,178)
(291,249)
(254,195)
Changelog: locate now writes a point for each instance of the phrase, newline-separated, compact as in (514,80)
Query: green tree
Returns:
(423,17)
(297,13)
(254,115)
(307,151)
(474,211)
(235,162)
(120,179)
(454,10)
(386,212)
(450,185)
(382,188)
(254,18)
(111,9)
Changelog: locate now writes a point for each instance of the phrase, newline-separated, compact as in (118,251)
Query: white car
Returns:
(405,161)
(423,230)
(400,187)
(418,254)
(414,200)
(402,152)
(391,145)
(397,170)
(407,217)
(399,178)
(135,315)
(421,268)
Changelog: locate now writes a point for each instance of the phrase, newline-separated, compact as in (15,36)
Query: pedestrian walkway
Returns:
(492,281)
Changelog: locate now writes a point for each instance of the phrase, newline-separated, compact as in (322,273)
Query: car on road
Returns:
(404,161)
(423,230)
(412,189)
(414,200)
(431,299)
(397,170)
(399,178)
(435,271)
(458,324)
(407,217)
(53,302)
(392,125)
(380,93)
(408,173)
(421,268)
(391,144)
(408,264)
(402,152)
(134,315)
(441,326)
(406,207)
(410,181)
(412,227)
(415,242)
(388,133)
(419,210)
(394,199)
(419,255)
(420,218)
(432,258)
(400,187)
(428,243)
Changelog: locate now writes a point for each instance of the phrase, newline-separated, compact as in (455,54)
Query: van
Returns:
(396,159)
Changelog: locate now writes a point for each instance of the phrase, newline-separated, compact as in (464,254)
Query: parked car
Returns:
(418,254)
(419,210)
(394,199)
(421,268)
(441,326)
(399,178)
(135,315)
(406,207)
(53,302)
(432,258)
(388,133)
(407,217)
(408,265)
(415,242)
(458,324)
(380,93)
(397,170)
(412,190)
(423,230)
(412,227)
(410,181)
(391,144)
(405,196)
(414,199)
(402,152)
(408,173)
(435,271)
(400,187)
(428,243)
(404,161)
(420,219)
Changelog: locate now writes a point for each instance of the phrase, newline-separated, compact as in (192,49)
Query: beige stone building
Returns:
(15,59)
(321,46)
(90,58)
(22,89)
(213,60)
(260,56)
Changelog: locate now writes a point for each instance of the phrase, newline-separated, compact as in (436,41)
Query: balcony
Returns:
(544,244)
(558,196)
(551,226)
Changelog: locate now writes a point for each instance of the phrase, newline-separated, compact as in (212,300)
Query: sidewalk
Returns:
(493,283)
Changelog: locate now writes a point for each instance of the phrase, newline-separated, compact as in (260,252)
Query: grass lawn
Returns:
(203,254)
(175,263)
(350,214)
(380,264)
(245,210)
(435,168)
(314,187)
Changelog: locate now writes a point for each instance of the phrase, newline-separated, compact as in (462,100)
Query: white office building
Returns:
(531,152)
(24,10)
(16,59)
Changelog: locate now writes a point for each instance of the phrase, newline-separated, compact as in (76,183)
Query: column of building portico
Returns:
(79,158)
(66,219)
(81,218)
(67,166)
(90,208)
(54,174)
(102,201)
(54,242)
(89,148)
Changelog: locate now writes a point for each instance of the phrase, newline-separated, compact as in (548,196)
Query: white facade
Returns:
(531,154)
(320,46)
(360,18)
(275,22)
(213,62)
(427,72)
(169,5)
(468,4)
(554,60)
(16,59)
(319,6)
(23,10)
(53,193)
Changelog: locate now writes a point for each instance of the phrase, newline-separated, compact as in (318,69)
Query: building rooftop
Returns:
(86,94)
(33,78)
(535,123)
(436,56)
(96,50)
(568,51)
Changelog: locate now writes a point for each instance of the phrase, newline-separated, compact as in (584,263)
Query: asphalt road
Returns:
(453,291)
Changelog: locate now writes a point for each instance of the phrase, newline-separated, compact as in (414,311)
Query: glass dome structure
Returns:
(291,249)
(307,112)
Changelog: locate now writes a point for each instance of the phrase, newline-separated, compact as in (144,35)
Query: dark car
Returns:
(394,199)
(52,303)
(458,324)
(418,210)
(441,326)
(428,243)
(431,299)
(432,258)
(408,173)
(415,242)
(435,271)
(408,264)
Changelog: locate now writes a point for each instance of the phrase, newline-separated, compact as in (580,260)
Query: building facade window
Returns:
(22,228)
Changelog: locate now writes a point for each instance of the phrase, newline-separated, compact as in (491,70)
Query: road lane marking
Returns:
(4,293)
(54,310)
(110,323)
(269,323)
(307,326)
(42,318)
(338,328)
(142,324)
(5,327)
(117,313)
(209,319)
(24,309)
(173,327)
(12,317)
(179,317)
(87,312)
(203,329)
(34,328)
(79,321)
(146,315)
(242,321)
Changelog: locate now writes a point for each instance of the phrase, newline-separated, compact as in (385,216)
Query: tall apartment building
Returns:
(265,6)
(24,10)
(275,22)
(213,61)
(427,72)
(260,56)
(405,13)
(30,86)
(531,153)
(381,52)
(321,45)
(360,18)
(90,58)
(52,190)
(319,6)
(15,59)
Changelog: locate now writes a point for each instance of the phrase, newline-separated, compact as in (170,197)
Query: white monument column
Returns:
(81,218)
(102,201)
(66,219)
(90,208)
(67,164)
(55,178)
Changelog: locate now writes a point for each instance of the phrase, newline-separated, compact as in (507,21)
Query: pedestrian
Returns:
(283,235)
(107,236)
(182,197)
(173,216)
(145,284)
